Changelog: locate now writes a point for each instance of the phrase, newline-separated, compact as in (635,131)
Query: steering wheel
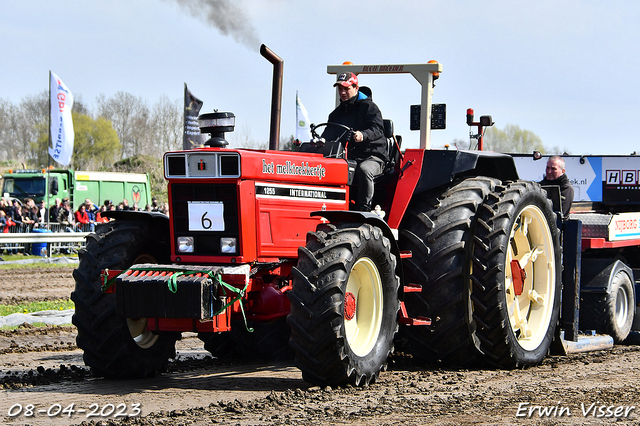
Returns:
(317,139)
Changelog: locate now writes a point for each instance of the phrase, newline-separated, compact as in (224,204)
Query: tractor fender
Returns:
(441,167)
(159,221)
(346,216)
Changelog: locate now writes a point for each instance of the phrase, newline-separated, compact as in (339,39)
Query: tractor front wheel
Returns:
(114,346)
(344,305)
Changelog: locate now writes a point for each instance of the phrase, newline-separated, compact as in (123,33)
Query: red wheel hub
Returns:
(518,275)
(349,306)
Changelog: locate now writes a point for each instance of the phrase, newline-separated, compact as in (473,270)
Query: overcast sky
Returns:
(565,70)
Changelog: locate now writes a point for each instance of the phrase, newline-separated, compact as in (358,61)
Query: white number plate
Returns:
(206,216)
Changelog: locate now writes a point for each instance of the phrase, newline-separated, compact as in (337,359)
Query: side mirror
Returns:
(53,186)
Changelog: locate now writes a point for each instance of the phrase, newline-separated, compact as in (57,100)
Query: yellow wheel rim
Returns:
(138,329)
(362,325)
(530,282)
(138,326)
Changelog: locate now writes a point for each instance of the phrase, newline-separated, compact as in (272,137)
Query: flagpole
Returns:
(184,118)
(297,119)
(46,189)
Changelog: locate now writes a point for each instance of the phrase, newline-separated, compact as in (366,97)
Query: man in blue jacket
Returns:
(367,146)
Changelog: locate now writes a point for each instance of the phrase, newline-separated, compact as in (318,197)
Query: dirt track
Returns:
(42,367)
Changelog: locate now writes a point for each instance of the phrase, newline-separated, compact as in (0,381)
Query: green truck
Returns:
(77,185)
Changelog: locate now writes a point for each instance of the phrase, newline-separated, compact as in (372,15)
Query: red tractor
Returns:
(261,252)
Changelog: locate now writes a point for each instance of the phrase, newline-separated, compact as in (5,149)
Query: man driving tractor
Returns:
(367,144)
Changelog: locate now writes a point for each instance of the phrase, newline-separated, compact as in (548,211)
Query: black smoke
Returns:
(226,16)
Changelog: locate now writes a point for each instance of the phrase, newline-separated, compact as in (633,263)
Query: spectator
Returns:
(43,212)
(15,213)
(3,222)
(154,204)
(91,208)
(65,216)
(82,218)
(99,217)
(29,212)
(125,205)
(55,210)
(29,217)
(7,225)
(120,206)
(555,175)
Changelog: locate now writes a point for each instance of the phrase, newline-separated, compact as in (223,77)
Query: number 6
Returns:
(205,221)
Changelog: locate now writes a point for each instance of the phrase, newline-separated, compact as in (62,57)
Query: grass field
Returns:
(31,307)
(13,257)
(26,308)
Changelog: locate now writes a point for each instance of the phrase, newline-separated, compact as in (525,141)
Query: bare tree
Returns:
(166,126)
(31,120)
(8,137)
(241,138)
(129,116)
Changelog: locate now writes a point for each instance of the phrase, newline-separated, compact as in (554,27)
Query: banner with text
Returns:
(192,137)
(62,135)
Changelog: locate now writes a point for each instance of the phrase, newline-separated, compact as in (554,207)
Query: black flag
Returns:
(192,138)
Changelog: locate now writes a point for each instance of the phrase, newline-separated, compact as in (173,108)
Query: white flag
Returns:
(61,123)
(303,133)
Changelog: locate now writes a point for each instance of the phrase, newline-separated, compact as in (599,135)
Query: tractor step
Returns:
(404,318)
(412,288)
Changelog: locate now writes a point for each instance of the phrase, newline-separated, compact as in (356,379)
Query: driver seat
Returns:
(392,149)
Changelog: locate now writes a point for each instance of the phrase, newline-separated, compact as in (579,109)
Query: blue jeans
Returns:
(366,171)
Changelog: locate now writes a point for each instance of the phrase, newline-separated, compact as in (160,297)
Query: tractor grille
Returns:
(206,243)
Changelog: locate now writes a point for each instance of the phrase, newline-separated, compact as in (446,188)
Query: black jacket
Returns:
(359,113)
(566,191)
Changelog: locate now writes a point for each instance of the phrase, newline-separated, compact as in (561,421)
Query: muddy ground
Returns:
(44,381)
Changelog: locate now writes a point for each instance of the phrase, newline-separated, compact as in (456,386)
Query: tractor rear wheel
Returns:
(438,230)
(344,305)
(114,346)
(516,275)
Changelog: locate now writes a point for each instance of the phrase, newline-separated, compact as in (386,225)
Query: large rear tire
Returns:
(438,230)
(114,346)
(516,275)
(344,305)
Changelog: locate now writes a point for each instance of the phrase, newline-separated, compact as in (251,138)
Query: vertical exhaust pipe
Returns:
(276,96)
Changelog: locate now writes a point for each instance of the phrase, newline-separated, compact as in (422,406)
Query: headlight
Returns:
(185,244)
(228,245)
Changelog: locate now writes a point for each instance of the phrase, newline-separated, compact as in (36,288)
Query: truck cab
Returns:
(23,184)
